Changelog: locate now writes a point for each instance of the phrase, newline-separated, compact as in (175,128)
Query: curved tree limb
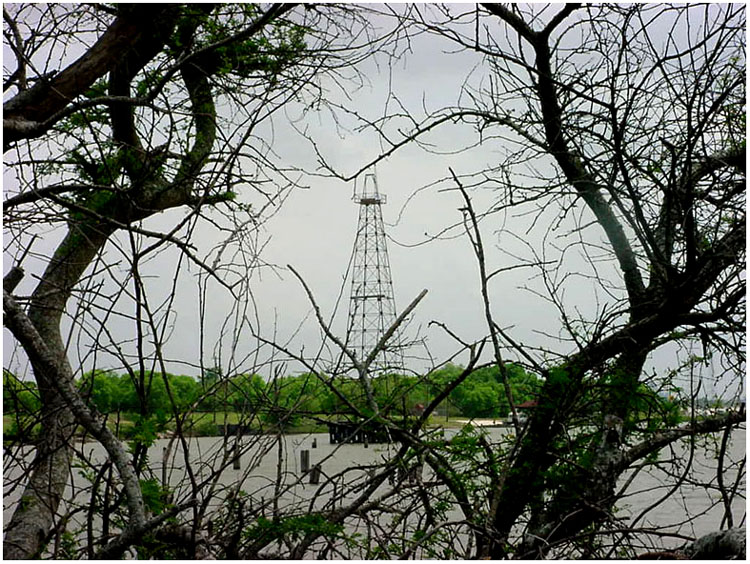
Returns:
(24,114)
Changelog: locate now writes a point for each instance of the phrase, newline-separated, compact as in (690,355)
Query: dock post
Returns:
(305,461)
(236,453)
(315,475)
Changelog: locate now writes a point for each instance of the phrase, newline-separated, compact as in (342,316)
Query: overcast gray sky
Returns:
(315,227)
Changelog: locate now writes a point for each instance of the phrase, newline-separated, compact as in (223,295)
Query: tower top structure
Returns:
(368,193)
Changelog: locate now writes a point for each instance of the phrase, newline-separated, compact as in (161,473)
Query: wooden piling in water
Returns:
(315,475)
(305,461)
(236,455)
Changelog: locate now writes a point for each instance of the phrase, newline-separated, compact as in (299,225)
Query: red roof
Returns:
(527,404)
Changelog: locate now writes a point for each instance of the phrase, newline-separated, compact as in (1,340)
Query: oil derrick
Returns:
(372,309)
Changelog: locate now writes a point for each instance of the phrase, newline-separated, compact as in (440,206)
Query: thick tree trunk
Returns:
(34,516)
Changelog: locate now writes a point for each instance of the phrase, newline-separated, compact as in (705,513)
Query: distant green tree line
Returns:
(479,395)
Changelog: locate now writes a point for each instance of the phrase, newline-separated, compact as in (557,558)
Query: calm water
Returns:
(262,469)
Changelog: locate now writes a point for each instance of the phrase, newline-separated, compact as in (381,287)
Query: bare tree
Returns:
(623,130)
(112,116)
(645,133)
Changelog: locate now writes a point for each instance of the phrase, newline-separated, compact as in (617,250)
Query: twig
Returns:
(479,252)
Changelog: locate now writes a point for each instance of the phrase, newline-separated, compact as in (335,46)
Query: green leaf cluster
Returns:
(293,528)
(88,117)
(155,495)
(266,52)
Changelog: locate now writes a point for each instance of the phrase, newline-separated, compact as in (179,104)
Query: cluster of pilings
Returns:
(347,432)
(313,472)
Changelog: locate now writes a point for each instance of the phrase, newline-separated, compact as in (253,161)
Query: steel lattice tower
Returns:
(372,309)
